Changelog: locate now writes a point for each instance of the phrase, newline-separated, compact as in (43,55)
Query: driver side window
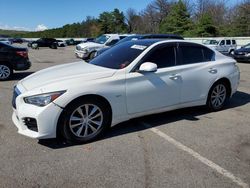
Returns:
(163,56)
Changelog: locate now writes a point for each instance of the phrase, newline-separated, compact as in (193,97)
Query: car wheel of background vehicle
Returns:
(218,96)
(5,72)
(91,55)
(34,46)
(84,120)
(53,46)
(231,52)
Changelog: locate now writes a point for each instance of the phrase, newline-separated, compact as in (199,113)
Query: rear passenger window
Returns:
(228,42)
(191,54)
(162,56)
(195,54)
(208,54)
(234,42)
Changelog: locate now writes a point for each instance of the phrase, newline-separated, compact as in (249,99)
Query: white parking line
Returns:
(197,156)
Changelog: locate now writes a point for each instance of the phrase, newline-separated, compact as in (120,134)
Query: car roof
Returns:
(163,36)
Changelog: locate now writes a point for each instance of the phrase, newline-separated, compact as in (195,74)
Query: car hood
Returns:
(82,70)
(89,45)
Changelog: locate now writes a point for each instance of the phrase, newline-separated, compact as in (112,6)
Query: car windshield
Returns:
(247,46)
(120,56)
(102,39)
(211,42)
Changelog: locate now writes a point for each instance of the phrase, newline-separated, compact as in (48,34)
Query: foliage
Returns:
(205,26)
(178,21)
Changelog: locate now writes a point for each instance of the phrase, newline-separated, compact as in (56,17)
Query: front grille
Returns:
(16,92)
(30,123)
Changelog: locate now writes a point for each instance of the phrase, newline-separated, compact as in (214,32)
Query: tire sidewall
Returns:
(65,129)
(209,101)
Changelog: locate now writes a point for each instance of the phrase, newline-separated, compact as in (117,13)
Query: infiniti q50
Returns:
(136,78)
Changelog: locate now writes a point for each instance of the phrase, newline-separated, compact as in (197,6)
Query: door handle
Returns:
(213,70)
(174,76)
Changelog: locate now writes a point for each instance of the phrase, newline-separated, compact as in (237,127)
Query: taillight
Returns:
(22,53)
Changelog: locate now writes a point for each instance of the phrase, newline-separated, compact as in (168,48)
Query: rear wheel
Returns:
(218,96)
(85,120)
(5,72)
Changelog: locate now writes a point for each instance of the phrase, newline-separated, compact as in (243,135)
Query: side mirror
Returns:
(148,67)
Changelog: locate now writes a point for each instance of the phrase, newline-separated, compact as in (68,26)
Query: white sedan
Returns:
(80,101)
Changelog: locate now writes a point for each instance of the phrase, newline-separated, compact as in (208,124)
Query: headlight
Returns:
(248,54)
(43,99)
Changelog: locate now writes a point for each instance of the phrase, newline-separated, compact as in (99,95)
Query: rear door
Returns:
(197,70)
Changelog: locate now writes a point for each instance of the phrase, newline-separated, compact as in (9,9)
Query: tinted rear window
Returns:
(228,42)
(195,54)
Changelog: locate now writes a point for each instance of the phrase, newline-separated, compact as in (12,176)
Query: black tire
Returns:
(231,52)
(222,96)
(53,46)
(71,112)
(91,55)
(6,72)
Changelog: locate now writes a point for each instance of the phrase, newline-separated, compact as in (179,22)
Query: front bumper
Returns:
(81,54)
(46,118)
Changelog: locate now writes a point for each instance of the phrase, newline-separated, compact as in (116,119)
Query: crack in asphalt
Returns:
(147,168)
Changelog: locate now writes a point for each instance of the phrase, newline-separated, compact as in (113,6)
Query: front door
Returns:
(146,91)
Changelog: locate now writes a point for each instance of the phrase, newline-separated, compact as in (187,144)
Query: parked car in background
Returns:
(5,41)
(87,50)
(136,78)
(88,40)
(70,42)
(242,54)
(44,42)
(225,46)
(61,43)
(18,40)
(12,58)
(140,37)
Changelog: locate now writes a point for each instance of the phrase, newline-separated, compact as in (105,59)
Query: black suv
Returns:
(43,42)
(12,58)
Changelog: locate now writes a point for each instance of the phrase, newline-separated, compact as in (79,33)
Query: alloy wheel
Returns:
(86,120)
(4,72)
(218,96)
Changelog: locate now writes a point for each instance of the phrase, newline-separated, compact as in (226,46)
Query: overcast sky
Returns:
(43,14)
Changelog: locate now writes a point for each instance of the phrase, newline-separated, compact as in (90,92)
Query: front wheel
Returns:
(5,72)
(92,55)
(85,120)
(217,97)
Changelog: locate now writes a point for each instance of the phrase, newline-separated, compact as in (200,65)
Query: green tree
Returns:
(205,26)
(178,20)
(241,22)
(112,22)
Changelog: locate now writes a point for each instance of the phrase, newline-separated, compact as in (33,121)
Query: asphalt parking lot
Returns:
(183,148)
